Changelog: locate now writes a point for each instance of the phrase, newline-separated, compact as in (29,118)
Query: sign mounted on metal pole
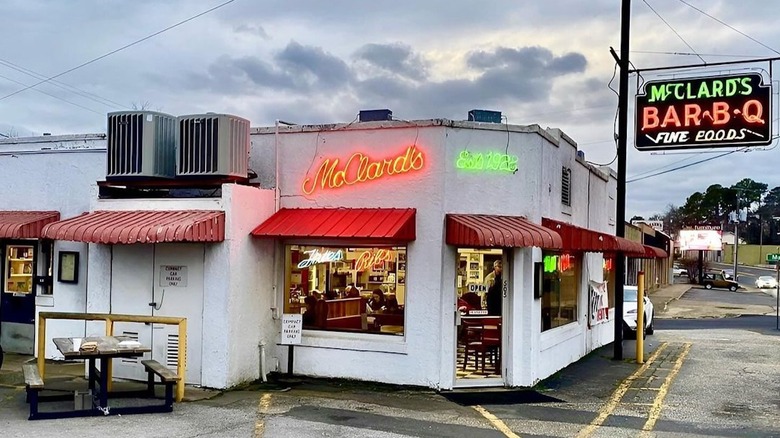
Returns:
(714,111)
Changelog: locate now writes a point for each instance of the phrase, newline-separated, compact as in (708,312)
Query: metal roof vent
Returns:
(141,144)
(377,115)
(212,145)
(487,116)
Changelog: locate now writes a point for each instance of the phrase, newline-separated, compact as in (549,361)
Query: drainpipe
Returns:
(263,370)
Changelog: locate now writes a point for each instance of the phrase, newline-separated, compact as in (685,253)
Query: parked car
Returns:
(678,270)
(728,274)
(717,279)
(766,281)
(629,313)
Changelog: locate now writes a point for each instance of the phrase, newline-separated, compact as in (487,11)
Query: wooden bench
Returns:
(167,377)
(34,384)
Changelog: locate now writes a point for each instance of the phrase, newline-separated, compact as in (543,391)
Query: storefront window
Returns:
(347,289)
(19,269)
(559,290)
(609,277)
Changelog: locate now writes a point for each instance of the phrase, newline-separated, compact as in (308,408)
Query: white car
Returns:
(629,313)
(766,281)
(678,271)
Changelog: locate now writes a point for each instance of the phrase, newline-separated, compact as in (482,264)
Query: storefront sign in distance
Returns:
(717,111)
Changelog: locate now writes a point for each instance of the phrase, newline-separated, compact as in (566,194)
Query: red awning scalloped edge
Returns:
(25,224)
(133,226)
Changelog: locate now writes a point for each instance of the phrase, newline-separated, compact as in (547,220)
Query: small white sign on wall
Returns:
(292,325)
(173,276)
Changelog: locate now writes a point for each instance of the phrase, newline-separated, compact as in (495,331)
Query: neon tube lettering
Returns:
(369,259)
(489,161)
(316,257)
(360,168)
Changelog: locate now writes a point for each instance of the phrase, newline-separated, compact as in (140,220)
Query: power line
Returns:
(64,86)
(654,52)
(685,166)
(673,30)
(117,50)
(52,95)
(729,26)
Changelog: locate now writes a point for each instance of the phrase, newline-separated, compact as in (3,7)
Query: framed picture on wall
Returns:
(68,270)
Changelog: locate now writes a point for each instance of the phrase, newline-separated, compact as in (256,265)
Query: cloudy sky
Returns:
(543,62)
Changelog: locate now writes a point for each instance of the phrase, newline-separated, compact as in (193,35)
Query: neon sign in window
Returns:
(316,257)
(360,168)
(608,264)
(490,161)
(561,263)
(369,259)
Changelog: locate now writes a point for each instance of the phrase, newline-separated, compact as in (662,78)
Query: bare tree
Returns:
(144,106)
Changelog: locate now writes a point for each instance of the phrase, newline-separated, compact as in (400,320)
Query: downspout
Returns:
(274,274)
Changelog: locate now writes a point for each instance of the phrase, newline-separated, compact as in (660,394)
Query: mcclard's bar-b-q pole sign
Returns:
(717,111)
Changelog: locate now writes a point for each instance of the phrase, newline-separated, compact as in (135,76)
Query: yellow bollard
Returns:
(41,345)
(181,364)
(640,318)
(110,366)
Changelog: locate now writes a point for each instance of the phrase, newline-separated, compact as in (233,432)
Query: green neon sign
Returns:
(491,161)
(550,263)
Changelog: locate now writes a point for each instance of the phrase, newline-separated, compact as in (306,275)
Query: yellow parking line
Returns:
(496,422)
(655,411)
(610,406)
(262,409)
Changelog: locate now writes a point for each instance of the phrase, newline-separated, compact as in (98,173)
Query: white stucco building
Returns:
(414,215)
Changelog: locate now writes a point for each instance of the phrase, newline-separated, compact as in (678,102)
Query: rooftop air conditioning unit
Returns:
(212,145)
(141,144)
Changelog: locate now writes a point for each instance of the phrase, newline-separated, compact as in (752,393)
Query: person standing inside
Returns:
(495,284)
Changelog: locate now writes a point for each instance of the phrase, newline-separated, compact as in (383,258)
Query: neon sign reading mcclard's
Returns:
(489,161)
(360,168)
(725,111)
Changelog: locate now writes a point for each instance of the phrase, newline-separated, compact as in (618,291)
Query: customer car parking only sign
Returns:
(292,324)
(717,111)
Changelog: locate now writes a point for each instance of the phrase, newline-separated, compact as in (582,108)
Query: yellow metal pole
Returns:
(41,345)
(181,362)
(110,366)
(640,318)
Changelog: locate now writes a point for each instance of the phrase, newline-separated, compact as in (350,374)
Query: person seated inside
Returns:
(316,294)
(469,301)
(391,305)
(377,301)
(352,291)
(309,317)
(330,295)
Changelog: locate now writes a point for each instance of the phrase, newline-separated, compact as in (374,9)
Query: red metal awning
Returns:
(367,224)
(629,247)
(652,252)
(125,227)
(25,224)
(487,231)
(586,240)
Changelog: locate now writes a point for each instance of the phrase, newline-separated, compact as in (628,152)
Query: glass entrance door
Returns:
(17,299)
(480,291)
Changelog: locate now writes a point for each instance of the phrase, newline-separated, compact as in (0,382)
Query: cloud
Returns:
(313,67)
(252,29)
(398,59)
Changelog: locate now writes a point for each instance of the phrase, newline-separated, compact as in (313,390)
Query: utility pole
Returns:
(736,244)
(620,204)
